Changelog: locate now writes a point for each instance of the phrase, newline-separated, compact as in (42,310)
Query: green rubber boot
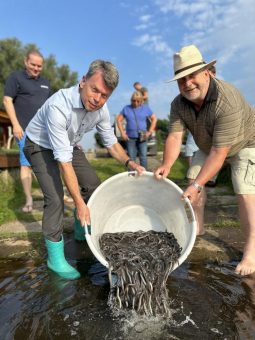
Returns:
(57,262)
(79,231)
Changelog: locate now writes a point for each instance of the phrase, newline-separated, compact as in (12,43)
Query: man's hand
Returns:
(82,213)
(148,134)
(192,193)
(124,136)
(69,176)
(18,131)
(162,171)
(134,166)
(9,107)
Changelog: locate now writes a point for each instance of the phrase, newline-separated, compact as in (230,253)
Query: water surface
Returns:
(208,302)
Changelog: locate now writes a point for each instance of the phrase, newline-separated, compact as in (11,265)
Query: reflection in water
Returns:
(208,302)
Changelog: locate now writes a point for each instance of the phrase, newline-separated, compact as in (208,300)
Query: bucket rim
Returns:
(193,222)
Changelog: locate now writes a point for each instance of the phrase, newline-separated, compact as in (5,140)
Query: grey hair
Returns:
(109,72)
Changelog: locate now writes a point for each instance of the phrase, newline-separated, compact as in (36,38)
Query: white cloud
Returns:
(223,30)
(153,44)
(141,27)
(145,18)
(146,22)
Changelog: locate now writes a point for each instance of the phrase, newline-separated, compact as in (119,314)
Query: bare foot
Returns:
(245,267)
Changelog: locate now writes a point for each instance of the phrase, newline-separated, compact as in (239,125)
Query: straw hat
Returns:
(187,61)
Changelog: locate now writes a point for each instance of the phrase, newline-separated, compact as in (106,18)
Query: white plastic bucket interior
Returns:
(128,202)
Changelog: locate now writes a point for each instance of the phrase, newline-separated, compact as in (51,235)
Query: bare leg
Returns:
(26,180)
(199,207)
(246,204)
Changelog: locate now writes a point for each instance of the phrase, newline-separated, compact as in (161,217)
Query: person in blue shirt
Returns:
(52,147)
(136,115)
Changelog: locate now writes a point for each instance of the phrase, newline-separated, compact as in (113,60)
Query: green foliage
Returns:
(179,170)
(224,176)
(225,223)
(161,133)
(98,140)
(12,53)
(11,197)
(58,76)
(107,167)
(11,58)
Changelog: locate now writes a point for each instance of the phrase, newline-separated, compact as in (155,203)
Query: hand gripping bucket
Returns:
(128,202)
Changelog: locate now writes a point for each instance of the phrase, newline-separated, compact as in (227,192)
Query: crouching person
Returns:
(51,147)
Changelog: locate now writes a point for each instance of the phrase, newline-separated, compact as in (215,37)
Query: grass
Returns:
(9,152)
(107,167)
(225,223)
(12,196)
(179,170)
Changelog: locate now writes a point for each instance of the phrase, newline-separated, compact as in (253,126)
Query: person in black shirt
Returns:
(25,92)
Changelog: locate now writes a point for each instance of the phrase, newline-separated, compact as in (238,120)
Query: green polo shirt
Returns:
(225,119)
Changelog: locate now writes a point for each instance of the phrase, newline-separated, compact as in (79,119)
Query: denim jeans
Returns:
(134,147)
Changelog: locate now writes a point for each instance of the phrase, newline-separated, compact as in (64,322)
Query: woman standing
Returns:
(136,133)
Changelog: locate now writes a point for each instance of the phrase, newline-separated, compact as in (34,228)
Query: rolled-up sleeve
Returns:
(56,123)
(11,88)
(176,124)
(105,129)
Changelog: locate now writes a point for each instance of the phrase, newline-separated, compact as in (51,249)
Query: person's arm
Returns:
(171,153)
(210,168)
(152,128)
(117,152)
(70,179)
(119,121)
(9,107)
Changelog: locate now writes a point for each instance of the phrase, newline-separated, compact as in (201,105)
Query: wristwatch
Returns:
(197,186)
(127,162)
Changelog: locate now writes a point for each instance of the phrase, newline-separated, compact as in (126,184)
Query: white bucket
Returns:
(128,202)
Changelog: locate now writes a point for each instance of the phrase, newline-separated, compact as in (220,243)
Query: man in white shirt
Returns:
(51,147)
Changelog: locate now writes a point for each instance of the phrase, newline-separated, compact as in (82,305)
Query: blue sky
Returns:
(139,37)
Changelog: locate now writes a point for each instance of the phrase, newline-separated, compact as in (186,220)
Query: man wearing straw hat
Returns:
(223,126)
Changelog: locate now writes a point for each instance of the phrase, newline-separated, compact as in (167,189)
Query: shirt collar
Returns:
(28,76)
(212,91)
(76,98)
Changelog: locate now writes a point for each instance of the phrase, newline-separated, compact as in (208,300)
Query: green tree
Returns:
(162,132)
(12,53)
(58,76)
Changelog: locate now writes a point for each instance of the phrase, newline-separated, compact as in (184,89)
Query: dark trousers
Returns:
(46,170)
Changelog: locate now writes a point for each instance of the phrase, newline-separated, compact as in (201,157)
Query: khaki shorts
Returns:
(196,165)
(242,169)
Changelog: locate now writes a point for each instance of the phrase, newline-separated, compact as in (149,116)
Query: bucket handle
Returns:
(87,228)
(132,173)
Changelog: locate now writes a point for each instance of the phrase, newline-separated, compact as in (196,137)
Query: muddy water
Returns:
(208,302)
